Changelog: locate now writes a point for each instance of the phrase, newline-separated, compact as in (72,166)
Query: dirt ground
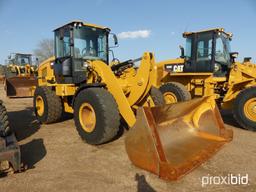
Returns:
(59,160)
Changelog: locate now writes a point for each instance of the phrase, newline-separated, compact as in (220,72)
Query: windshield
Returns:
(222,50)
(90,43)
(23,60)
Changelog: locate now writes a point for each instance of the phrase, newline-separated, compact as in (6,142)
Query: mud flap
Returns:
(172,140)
(20,86)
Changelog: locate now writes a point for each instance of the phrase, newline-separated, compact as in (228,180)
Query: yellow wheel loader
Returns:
(166,140)
(208,68)
(19,75)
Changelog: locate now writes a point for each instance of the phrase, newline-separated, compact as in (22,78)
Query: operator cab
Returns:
(76,43)
(207,51)
(20,59)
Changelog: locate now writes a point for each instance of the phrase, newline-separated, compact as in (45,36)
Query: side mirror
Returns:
(115,39)
(113,42)
(37,61)
(182,52)
(247,59)
(233,56)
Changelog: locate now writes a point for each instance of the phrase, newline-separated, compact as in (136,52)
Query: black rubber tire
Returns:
(4,123)
(53,107)
(157,96)
(238,108)
(179,90)
(107,115)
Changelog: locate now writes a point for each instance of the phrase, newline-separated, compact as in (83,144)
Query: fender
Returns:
(85,86)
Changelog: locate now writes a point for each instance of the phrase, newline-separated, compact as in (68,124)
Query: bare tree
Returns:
(44,49)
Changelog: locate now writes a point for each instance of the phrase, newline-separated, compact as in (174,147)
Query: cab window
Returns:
(62,43)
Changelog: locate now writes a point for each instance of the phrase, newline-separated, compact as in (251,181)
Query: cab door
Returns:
(199,57)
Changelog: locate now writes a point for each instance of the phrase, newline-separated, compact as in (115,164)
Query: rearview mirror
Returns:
(115,39)
(37,62)
(233,56)
(182,52)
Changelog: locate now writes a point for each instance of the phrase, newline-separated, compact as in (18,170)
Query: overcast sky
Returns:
(142,25)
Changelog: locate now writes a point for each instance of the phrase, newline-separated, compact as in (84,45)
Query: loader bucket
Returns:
(10,152)
(173,139)
(20,86)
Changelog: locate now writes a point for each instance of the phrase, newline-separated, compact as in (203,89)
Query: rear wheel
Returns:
(244,109)
(96,115)
(48,106)
(4,123)
(175,92)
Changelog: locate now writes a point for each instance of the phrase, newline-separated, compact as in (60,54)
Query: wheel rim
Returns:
(87,117)
(250,109)
(170,97)
(39,105)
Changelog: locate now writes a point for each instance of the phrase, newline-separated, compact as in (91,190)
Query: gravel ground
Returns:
(59,160)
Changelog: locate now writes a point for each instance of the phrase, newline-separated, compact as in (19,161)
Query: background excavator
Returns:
(208,68)
(168,140)
(20,75)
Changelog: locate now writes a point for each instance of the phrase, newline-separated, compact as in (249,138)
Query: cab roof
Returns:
(79,22)
(185,34)
(27,54)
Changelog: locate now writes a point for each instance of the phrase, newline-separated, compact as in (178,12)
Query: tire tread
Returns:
(183,93)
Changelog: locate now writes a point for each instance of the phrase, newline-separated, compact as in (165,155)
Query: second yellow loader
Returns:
(20,75)
(209,68)
(168,140)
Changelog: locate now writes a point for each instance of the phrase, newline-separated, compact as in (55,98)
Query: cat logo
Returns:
(176,68)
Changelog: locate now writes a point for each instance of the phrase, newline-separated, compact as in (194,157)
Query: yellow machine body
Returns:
(175,126)
(235,78)
(241,76)
(129,90)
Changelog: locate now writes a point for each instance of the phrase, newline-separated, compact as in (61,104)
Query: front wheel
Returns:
(96,115)
(244,110)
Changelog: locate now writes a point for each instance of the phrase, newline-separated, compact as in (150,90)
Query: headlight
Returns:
(85,65)
(217,67)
